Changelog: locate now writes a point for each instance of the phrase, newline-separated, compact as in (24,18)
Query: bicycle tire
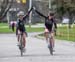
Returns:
(21,46)
(50,46)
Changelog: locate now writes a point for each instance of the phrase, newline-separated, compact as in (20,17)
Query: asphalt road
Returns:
(36,50)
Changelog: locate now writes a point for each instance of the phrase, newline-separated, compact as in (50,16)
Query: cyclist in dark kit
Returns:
(50,24)
(20,27)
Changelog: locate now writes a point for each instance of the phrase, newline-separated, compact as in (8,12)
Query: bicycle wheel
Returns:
(50,45)
(51,48)
(21,46)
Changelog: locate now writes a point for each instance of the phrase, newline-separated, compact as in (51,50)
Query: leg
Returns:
(52,39)
(24,39)
(46,34)
(18,36)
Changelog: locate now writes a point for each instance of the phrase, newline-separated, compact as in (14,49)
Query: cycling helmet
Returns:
(20,13)
(51,14)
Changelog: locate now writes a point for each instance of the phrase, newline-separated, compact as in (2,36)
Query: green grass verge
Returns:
(65,33)
(7,30)
(4,28)
(3,24)
(34,29)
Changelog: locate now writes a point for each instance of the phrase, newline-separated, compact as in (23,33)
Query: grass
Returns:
(7,30)
(3,24)
(4,28)
(65,33)
(34,29)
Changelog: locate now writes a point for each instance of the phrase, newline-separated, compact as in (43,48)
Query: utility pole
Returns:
(8,18)
(30,16)
(50,6)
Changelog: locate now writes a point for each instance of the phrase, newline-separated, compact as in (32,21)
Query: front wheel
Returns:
(21,52)
(51,50)
(21,46)
(51,47)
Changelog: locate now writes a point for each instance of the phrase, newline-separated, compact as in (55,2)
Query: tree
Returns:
(65,7)
(5,5)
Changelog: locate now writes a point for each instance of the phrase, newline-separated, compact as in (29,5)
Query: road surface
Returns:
(36,50)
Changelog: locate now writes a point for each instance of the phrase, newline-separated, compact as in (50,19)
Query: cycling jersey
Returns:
(49,23)
(20,23)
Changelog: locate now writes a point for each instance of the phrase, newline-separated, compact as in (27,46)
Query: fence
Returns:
(63,32)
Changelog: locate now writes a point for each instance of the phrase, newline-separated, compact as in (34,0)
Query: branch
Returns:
(6,10)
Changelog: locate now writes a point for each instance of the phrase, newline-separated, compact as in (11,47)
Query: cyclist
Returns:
(20,26)
(49,25)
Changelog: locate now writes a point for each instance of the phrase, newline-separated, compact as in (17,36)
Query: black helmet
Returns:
(51,14)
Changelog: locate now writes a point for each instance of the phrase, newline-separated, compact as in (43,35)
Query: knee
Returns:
(52,35)
(46,33)
(24,35)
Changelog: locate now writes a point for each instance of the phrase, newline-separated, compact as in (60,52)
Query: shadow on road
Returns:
(26,55)
(38,55)
(65,55)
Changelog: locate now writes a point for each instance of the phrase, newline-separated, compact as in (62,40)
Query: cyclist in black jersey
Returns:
(50,24)
(20,27)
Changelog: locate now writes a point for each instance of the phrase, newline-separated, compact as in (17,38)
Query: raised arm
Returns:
(39,13)
(27,14)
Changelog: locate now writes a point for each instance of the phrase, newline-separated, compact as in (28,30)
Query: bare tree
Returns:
(5,5)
